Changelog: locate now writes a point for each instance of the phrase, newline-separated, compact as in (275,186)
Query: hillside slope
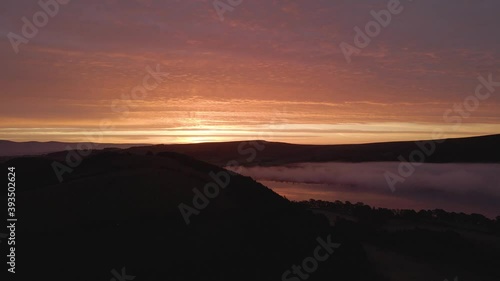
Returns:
(482,149)
(121,210)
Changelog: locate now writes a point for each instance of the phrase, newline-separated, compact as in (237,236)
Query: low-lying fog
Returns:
(469,188)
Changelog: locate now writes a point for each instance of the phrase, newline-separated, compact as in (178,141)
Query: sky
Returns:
(151,71)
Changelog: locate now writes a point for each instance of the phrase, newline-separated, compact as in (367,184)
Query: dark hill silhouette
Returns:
(11,148)
(483,149)
(119,209)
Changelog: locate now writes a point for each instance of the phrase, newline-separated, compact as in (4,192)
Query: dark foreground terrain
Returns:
(423,245)
(117,212)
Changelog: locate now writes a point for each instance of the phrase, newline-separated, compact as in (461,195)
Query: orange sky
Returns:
(271,70)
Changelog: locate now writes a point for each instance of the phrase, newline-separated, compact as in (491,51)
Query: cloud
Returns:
(458,186)
(273,51)
(454,178)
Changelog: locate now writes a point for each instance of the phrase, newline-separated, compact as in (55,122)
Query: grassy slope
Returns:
(119,209)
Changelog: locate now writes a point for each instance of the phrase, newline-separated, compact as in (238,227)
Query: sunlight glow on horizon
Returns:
(290,133)
(277,76)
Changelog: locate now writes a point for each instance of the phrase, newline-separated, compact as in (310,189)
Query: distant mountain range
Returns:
(11,148)
(482,149)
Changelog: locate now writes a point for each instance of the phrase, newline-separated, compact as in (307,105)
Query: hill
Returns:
(483,149)
(119,209)
(11,148)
